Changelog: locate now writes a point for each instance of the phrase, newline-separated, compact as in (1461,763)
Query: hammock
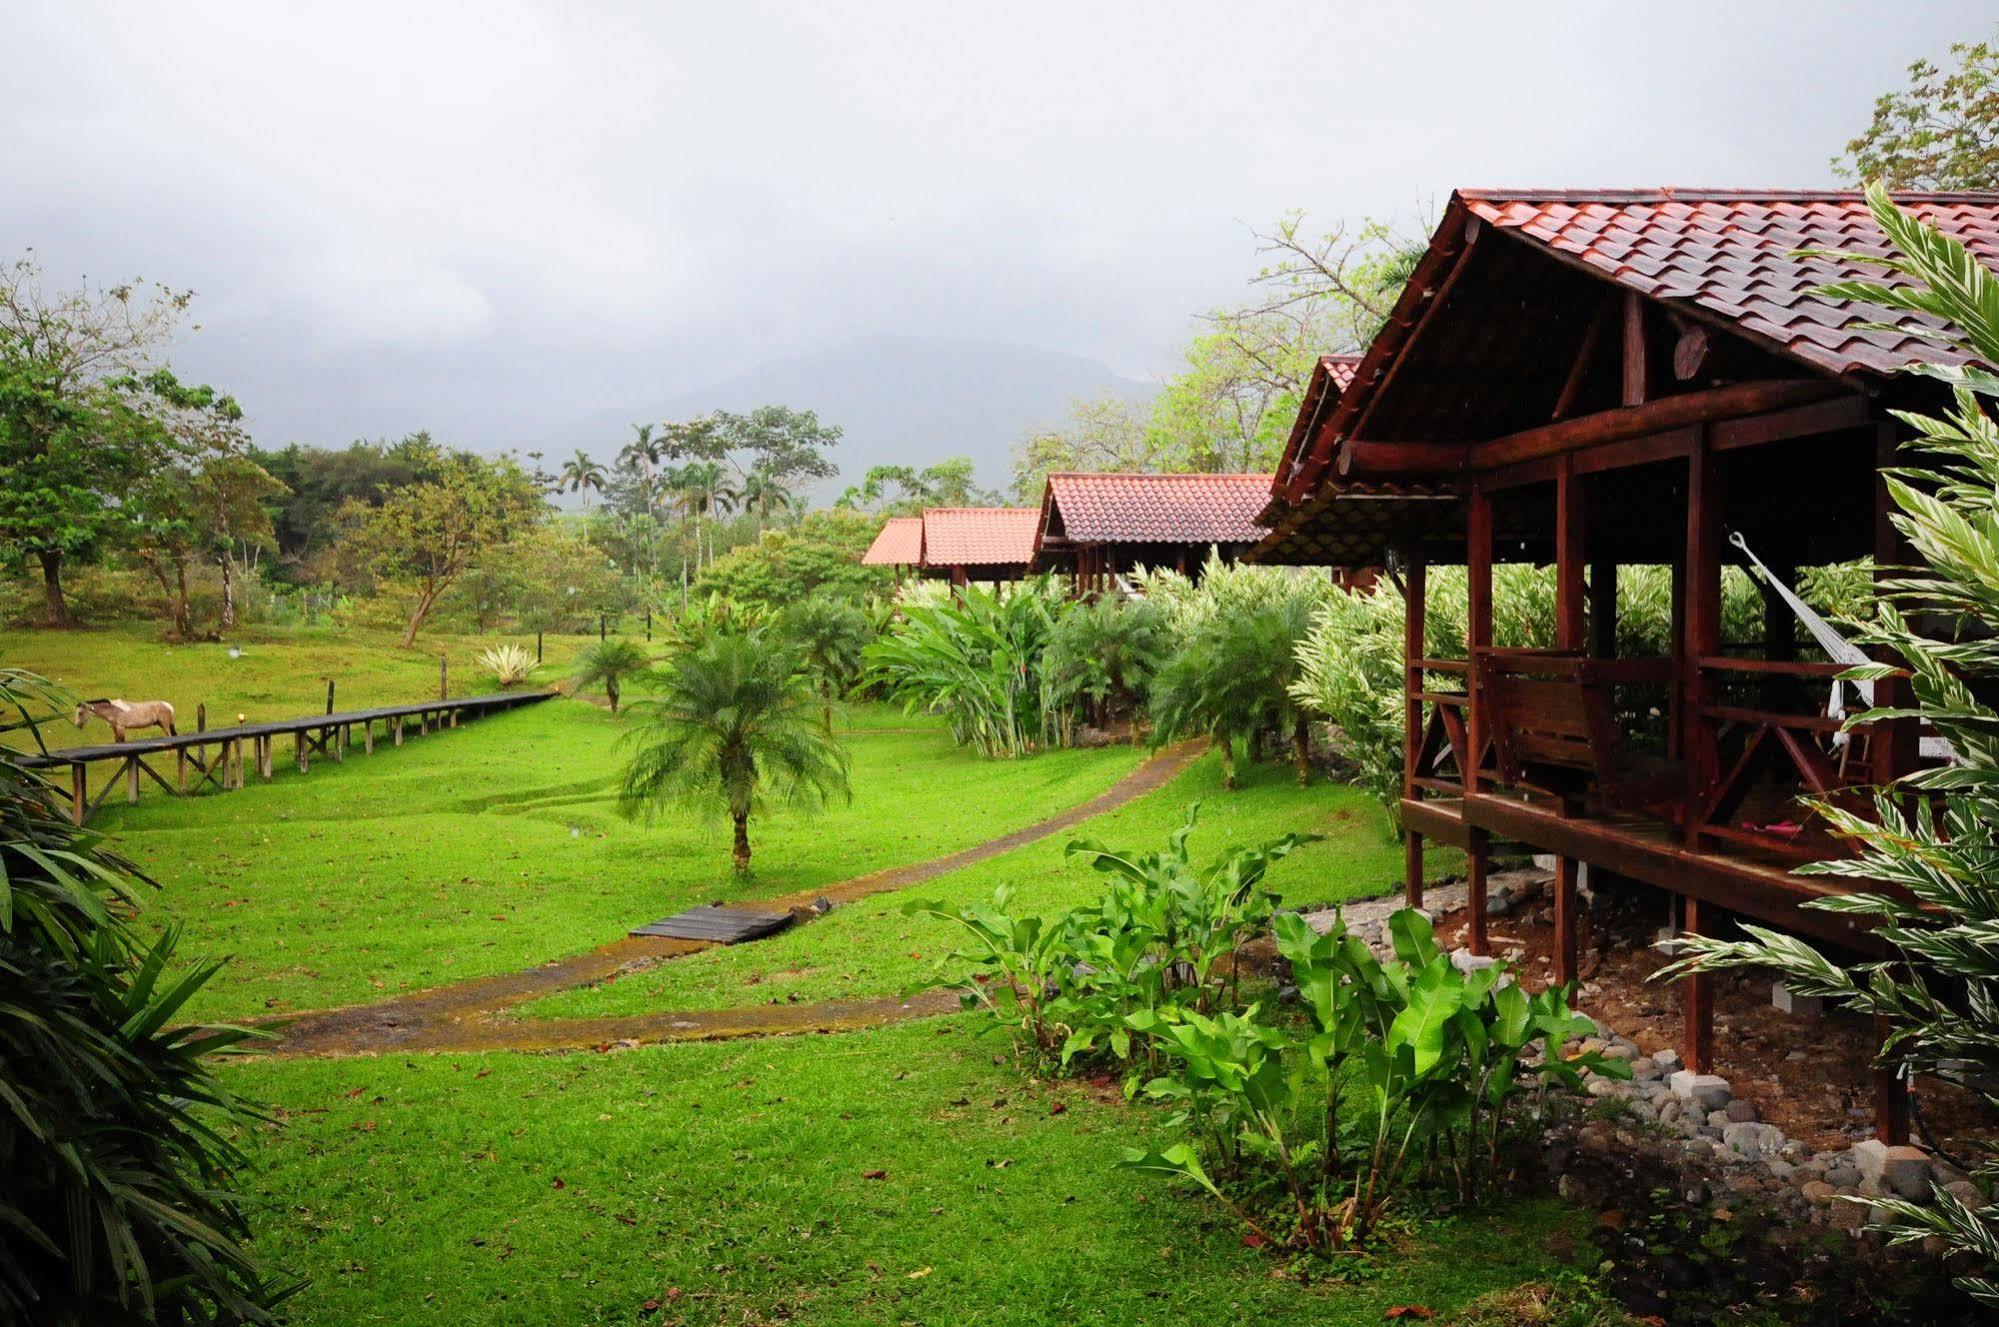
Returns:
(1838,649)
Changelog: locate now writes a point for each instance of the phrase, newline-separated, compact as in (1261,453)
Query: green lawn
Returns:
(499,846)
(724,1182)
(872,948)
(537,1189)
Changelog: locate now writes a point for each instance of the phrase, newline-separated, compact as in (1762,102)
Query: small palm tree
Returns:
(1231,680)
(765,495)
(610,664)
(829,635)
(733,730)
(581,474)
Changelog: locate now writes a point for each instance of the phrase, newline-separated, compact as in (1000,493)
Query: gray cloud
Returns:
(492,219)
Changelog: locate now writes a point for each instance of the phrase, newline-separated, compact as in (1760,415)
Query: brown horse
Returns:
(124,716)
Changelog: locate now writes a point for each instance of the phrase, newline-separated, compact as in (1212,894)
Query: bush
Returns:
(116,1205)
(1103,655)
(510,665)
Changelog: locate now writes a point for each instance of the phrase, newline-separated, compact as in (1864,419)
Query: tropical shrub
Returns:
(1407,1069)
(1938,988)
(733,730)
(610,664)
(116,1205)
(819,555)
(510,665)
(978,657)
(1103,655)
(829,635)
(1165,934)
(1231,679)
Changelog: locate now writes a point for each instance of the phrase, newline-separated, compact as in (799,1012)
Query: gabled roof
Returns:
(900,544)
(1734,255)
(979,536)
(1723,258)
(1152,509)
(1331,377)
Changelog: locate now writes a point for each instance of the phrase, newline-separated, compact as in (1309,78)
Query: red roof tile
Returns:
(1732,254)
(979,536)
(1180,509)
(900,544)
(1340,369)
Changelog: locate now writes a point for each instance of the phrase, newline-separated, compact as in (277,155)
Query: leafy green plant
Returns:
(1164,934)
(733,730)
(116,1205)
(610,664)
(1937,851)
(829,635)
(510,665)
(1408,1064)
(977,657)
(1231,681)
(1103,655)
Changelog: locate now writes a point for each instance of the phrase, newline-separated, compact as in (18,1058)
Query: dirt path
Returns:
(472,1015)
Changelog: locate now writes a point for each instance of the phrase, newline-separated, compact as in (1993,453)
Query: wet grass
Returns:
(730,1183)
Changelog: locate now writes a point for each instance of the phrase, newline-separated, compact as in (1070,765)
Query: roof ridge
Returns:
(1677,193)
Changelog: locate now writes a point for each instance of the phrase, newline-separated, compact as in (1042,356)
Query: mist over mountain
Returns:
(900,401)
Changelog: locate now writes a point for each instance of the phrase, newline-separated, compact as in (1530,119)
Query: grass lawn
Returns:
(872,948)
(573,1189)
(499,846)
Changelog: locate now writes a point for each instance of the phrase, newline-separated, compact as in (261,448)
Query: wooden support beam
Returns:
(132,780)
(1571,531)
(1412,867)
(1579,370)
(1697,999)
(1891,1095)
(1478,853)
(1415,600)
(368,737)
(1634,391)
(1703,636)
(1478,621)
(1657,416)
(79,807)
(1565,920)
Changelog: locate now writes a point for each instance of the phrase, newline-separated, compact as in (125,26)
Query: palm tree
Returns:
(610,664)
(580,474)
(829,635)
(733,730)
(705,488)
(765,494)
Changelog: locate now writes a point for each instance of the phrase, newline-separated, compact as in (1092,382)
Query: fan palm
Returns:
(610,664)
(733,730)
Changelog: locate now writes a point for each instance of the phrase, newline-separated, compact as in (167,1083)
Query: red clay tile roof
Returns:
(1340,369)
(979,536)
(1179,509)
(900,544)
(1731,253)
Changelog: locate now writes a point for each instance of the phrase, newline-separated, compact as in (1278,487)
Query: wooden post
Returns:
(648,629)
(1634,392)
(329,695)
(368,737)
(1891,1096)
(398,721)
(1478,850)
(1478,623)
(132,780)
(602,629)
(79,805)
(1565,919)
(201,717)
(1703,633)
(443,676)
(537,645)
(1571,527)
(1697,997)
(1416,586)
(298,749)
(265,744)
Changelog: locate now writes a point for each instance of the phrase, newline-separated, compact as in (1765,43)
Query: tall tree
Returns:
(905,489)
(764,495)
(74,433)
(1101,433)
(789,445)
(1941,132)
(424,536)
(580,474)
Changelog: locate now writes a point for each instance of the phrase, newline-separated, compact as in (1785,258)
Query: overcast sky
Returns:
(486,219)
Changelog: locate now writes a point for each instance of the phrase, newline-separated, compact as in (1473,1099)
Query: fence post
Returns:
(201,717)
(648,626)
(329,695)
(443,676)
(600,627)
(537,647)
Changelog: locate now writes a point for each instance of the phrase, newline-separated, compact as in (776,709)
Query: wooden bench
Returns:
(1550,718)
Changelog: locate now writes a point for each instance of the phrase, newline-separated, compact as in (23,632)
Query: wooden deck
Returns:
(218,756)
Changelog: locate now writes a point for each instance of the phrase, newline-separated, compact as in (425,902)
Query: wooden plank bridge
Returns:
(218,757)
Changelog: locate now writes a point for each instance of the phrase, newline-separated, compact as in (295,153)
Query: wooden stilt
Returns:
(1412,868)
(1478,851)
(1697,998)
(399,729)
(131,780)
(1478,624)
(79,807)
(1891,1097)
(368,737)
(1415,590)
(1565,920)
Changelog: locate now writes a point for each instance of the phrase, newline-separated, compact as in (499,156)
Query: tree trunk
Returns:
(1301,750)
(742,850)
(228,590)
(1228,761)
(418,616)
(183,615)
(56,613)
(611,692)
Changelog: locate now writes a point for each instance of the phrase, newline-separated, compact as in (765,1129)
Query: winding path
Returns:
(472,1015)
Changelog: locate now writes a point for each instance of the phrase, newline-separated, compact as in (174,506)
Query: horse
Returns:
(124,716)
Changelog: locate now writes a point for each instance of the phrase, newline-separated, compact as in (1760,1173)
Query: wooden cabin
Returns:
(979,543)
(1098,527)
(1601,381)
